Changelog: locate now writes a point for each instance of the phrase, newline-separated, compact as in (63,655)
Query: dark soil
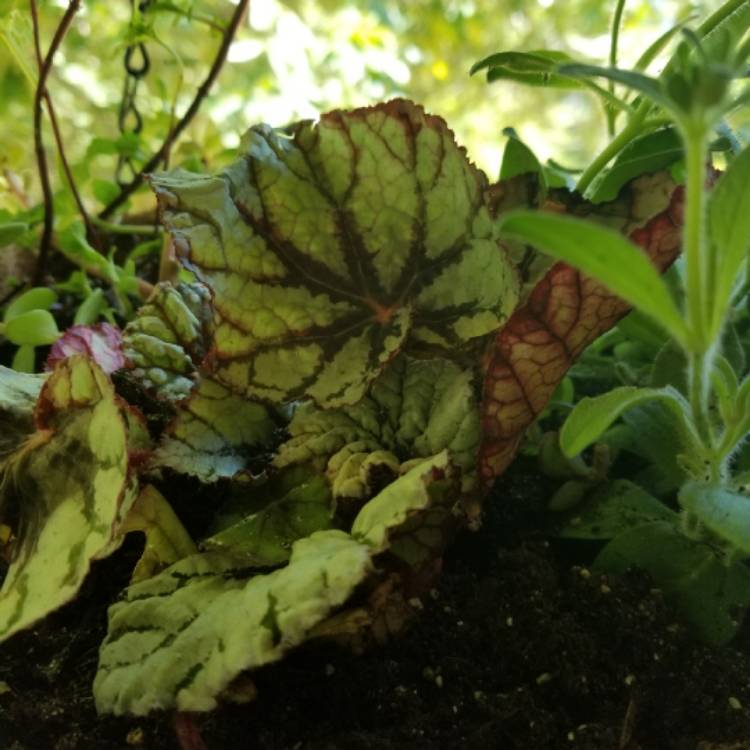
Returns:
(520,648)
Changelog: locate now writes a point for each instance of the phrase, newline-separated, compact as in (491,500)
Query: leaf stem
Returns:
(617,144)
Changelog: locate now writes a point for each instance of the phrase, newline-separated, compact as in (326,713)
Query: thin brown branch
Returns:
(41,157)
(90,230)
(185,120)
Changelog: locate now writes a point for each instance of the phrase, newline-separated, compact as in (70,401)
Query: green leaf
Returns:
(409,495)
(592,416)
(711,596)
(414,410)
(166,538)
(607,256)
(24,360)
(649,87)
(65,490)
(38,298)
(536,68)
(653,50)
(519,159)
(334,246)
(286,511)
(10,231)
(724,512)
(105,191)
(168,339)
(177,640)
(613,508)
(35,328)
(647,154)
(214,434)
(91,309)
(18,396)
(17,31)
(729,232)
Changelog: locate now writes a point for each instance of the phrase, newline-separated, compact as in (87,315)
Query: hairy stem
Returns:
(184,121)
(41,157)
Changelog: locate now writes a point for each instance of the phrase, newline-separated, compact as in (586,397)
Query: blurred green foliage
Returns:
(293,59)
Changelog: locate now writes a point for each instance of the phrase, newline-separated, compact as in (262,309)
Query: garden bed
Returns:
(520,646)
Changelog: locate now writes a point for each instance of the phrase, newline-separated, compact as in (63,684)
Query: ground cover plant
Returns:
(364,329)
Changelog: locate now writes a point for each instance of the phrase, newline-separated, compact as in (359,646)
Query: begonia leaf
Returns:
(65,490)
(285,514)
(214,433)
(101,342)
(334,245)
(167,340)
(565,312)
(178,639)
(18,395)
(414,410)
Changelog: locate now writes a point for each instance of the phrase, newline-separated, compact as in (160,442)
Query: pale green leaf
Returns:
(416,409)
(177,640)
(214,434)
(333,246)
(68,487)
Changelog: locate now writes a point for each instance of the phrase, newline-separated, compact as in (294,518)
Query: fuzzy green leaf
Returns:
(168,339)
(605,255)
(724,512)
(729,232)
(613,508)
(68,486)
(711,595)
(333,246)
(592,416)
(214,434)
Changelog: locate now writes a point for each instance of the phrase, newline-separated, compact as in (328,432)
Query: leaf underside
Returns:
(565,312)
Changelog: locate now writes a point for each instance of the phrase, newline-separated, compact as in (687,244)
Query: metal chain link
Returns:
(129,120)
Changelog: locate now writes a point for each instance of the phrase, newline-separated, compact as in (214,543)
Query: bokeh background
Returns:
(293,59)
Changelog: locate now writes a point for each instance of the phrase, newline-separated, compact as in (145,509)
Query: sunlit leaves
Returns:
(333,248)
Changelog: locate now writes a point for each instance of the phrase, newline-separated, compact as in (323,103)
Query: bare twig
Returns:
(41,157)
(184,121)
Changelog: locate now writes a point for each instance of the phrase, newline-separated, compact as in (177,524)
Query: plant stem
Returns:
(185,120)
(614,39)
(41,157)
(617,144)
(112,228)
